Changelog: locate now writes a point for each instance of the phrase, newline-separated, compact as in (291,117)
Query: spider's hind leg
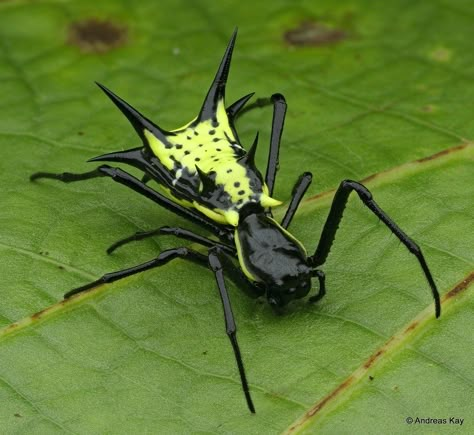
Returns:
(162,259)
(174,231)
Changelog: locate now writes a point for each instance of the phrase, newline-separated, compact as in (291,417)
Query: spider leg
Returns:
(175,231)
(163,258)
(322,286)
(279,111)
(122,177)
(237,109)
(335,216)
(296,196)
(231,329)
(145,178)
(215,264)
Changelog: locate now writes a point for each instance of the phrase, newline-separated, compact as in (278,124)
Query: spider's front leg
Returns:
(334,218)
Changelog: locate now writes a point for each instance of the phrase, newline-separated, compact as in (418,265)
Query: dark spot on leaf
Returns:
(197,159)
(411,327)
(187,152)
(442,153)
(241,192)
(188,137)
(314,33)
(371,378)
(97,36)
(229,171)
(61,267)
(38,315)
(236,184)
(216,139)
(462,286)
(179,146)
(374,357)
(17,415)
(211,132)
(80,133)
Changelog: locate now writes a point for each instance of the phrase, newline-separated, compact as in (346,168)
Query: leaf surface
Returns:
(381,93)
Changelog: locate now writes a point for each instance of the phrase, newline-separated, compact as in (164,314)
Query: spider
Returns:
(207,177)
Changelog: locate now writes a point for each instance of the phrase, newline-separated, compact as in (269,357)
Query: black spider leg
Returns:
(211,260)
(163,258)
(175,231)
(297,194)
(145,178)
(133,183)
(335,216)
(258,103)
(279,111)
(322,285)
(231,329)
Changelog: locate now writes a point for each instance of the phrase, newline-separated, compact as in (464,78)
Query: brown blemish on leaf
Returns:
(11,327)
(373,358)
(329,397)
(462,286)
(442,153)
(441,54)
(39,314)
(411,326)
(429,108)
(314,33)
(96,36)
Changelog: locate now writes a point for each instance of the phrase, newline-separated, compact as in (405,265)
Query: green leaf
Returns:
(376,92)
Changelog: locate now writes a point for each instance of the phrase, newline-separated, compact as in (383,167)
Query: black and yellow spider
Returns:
(207,177)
